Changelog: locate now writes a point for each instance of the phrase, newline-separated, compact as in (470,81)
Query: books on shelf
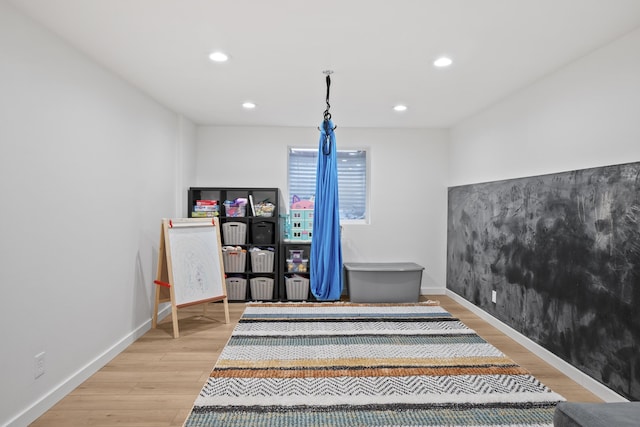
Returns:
(204,214)
(205,209)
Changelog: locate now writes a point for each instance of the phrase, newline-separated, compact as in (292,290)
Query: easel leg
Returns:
(174,318)
(154,321)
(225,302)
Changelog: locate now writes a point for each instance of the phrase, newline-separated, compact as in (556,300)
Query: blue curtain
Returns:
(326,250)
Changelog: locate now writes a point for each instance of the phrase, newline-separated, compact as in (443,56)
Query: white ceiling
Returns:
(381,52)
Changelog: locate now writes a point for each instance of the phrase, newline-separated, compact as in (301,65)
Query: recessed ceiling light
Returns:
(442,62)
(218,56)
(400,108)
(249,105)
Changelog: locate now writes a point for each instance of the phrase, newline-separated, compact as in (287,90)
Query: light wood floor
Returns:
(155,381)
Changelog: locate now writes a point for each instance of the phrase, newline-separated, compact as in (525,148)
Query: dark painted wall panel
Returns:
(563,253)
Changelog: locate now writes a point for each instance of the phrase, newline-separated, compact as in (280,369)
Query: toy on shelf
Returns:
(237,207)
(300,221)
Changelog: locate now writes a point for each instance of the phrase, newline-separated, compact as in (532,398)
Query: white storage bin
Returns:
(261,288)
(234,233)
(236,288)
(262,261)
(234,261)
(297,288)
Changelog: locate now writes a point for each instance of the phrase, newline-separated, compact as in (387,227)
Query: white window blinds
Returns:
(352,179)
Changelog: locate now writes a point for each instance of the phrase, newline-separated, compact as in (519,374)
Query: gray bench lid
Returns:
(382,266)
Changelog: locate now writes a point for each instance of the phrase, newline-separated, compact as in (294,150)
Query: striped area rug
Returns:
(343,364)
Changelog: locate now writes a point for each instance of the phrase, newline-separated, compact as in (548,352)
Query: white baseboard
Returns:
(569,370)
(432,291)
(45,403)
(41,406)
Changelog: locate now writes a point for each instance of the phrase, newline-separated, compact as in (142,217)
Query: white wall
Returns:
(584,115)
(408,185)
(186,165)
(88,167)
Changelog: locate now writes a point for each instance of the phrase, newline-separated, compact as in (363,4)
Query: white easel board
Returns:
(190,269)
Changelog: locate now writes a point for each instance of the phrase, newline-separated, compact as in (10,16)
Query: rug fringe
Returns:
(341,303)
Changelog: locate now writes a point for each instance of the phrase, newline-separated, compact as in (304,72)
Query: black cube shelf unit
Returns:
(295,265)
(250,240)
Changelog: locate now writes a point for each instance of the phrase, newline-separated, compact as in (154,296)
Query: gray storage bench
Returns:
(617,414)
(383,282)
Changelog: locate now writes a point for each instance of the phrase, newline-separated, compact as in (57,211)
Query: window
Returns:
(352,180)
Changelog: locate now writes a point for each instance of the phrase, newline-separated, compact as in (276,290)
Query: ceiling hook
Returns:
(327,114)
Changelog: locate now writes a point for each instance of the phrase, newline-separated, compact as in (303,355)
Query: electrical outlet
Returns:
(494,297)
(38,367)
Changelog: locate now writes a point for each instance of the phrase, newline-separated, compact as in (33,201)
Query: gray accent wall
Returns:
(562,253)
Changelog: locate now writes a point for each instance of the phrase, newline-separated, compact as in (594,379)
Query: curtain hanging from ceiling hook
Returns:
(326,248)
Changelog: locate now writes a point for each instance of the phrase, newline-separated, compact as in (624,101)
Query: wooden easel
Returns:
(166,283)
